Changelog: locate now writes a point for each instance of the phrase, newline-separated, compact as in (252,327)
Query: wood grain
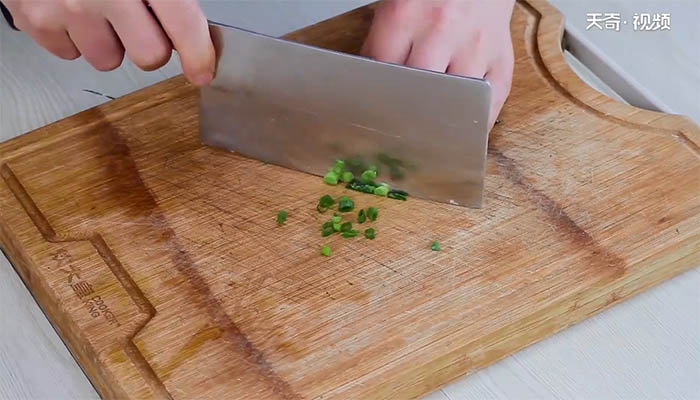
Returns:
(588,202)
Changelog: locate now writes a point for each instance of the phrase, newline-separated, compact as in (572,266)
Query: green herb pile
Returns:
(343,205)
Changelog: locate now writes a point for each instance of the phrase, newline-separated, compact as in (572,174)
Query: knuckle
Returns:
(40,19)
(76,7)
(476,39)
(441,17)
(395,10)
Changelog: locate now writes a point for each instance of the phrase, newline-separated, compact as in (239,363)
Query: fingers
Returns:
(44,25)
(145,42)
(188,30)
(97,41)
(433,54)
(500,76)
(470,64)
(57,42)
(387,42)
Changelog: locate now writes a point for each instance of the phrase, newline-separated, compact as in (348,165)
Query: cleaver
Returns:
(304,107)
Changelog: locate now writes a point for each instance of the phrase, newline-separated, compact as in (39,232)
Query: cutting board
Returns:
(160,263)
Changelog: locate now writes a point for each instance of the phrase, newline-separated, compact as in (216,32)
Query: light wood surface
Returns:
(129,135)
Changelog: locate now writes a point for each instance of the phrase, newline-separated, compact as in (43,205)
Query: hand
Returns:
(460,37)
(101,30)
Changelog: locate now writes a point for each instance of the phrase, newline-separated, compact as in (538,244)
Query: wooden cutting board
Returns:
(160,263)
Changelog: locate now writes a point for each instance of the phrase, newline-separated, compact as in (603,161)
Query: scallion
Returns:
(345,204)
(370,233)
(369,175)
(326,251)
(346,227)
(338,167)
(347,177)
(281,216)
(361,216)
(326,201)
(372,213)
(381,191)
(331,178)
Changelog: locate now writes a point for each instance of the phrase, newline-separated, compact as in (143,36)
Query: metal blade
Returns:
(303,107)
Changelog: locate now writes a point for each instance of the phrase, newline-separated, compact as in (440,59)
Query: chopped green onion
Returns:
(369,175)
(435,246)
(381,191)
(338,167)
(397,195)
(350,234)
(326,201)
(327,224)
(331,178)
(327,231)
(326,251)
(281,216)
(370,233)
(336,219)
(359,186)
(347,177)
(372,213)
(346,226)
(361,217)
(336,226)
(345,204)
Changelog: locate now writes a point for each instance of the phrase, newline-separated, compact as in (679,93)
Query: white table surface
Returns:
(647,347)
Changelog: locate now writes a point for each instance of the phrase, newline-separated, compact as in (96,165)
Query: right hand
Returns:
(102,30)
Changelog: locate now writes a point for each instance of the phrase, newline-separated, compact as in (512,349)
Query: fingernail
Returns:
(203,79)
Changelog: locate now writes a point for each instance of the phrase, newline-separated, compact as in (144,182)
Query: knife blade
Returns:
(303,107)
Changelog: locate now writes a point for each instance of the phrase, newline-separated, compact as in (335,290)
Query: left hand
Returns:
(461,37)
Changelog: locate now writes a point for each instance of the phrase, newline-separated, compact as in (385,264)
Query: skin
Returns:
(102,31)
(461,37)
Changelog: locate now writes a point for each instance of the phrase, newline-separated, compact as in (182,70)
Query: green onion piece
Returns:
(346,227)
(370,233)
(345,204)
(359,186)
(328,224)
(326,201)
(361,216)
(350,234)
(369,175)
(327,231)
(347,177)
(331,178)
(397,195)
(338,167)
(281,216)
(435,246)
(372,213)
(326,251)
(336,219)
(381,191)
(336,226)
